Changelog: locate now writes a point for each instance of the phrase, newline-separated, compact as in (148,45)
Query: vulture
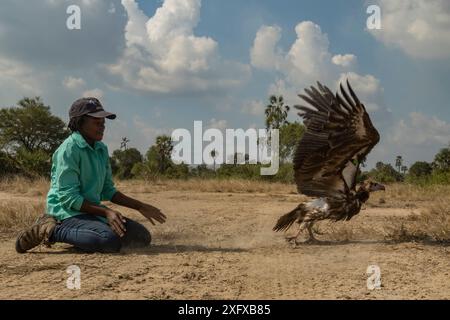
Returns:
(339,135)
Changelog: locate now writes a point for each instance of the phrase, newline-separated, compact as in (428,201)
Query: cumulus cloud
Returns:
(164,55)
(420,129)
(141,134)
(264,54)
(368,88)
(38,53)
(254,107)
(309,60)
(417,138)
(146,133)
(18,80)
(73,83)
(420,28)
(112,8)
(346,60)
(96,93)
(217,124)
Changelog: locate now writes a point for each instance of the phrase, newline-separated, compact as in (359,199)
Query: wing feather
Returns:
(338,131)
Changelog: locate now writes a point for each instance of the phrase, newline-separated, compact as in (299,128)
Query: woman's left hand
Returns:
(152,213)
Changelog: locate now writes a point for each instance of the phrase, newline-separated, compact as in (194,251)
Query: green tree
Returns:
(7,165)
(164,147)
(290,134)
(276,112)
(398,163)
(178,171)
(29,134)
(149,168)
(31,125)
(247,158)
(214,155)
(385,173)
(124,161)
(202,171)
(420,169)
(123,144)
(442,160)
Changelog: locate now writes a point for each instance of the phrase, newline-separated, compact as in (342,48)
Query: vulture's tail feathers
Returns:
(286,221)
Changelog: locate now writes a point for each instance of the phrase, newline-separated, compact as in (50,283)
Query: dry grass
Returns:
(24,186)
(16,215)
(400,195)
(395,194)
(207,185)
(432,224)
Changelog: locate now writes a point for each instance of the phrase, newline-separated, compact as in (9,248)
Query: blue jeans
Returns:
(90,234)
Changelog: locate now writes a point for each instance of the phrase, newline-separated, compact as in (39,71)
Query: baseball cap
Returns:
(91,107)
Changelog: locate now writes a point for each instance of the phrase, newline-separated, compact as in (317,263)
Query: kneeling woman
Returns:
(80,179)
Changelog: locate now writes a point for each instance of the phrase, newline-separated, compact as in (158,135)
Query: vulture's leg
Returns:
(311,239)
(320,233)
(294,238)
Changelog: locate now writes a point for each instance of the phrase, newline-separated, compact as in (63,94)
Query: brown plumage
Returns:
(339,135)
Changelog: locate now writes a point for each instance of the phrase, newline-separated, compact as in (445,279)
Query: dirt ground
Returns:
(220,246)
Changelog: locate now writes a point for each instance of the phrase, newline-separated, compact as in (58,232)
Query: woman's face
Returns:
(93,128)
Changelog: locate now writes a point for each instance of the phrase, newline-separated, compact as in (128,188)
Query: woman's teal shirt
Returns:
(78,172)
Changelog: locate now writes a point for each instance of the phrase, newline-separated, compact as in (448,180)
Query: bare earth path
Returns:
(220,246)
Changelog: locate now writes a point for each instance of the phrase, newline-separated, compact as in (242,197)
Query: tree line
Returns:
(30,133)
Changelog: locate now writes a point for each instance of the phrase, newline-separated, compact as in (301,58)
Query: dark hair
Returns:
(75,123)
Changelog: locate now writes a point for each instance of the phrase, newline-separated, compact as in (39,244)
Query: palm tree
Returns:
(164,148)
(404,169)
(398,162)
(276,112)
(214,156)
(123,144)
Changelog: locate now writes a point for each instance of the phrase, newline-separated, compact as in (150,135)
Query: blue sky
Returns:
(218,61)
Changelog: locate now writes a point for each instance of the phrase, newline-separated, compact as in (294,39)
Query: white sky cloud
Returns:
(96,93)
(420,28)
(73,83)
(171,51)
(418,137)
(420,129)
(164,55)
(346,60)
(17,80)
(264,54)
(309,60)
(254,107)
(217,124)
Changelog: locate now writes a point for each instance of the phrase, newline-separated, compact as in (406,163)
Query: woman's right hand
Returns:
(116,222)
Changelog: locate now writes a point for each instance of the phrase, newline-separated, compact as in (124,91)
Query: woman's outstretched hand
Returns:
(152,213)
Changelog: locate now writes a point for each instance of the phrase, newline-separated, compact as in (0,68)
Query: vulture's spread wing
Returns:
(338,134)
